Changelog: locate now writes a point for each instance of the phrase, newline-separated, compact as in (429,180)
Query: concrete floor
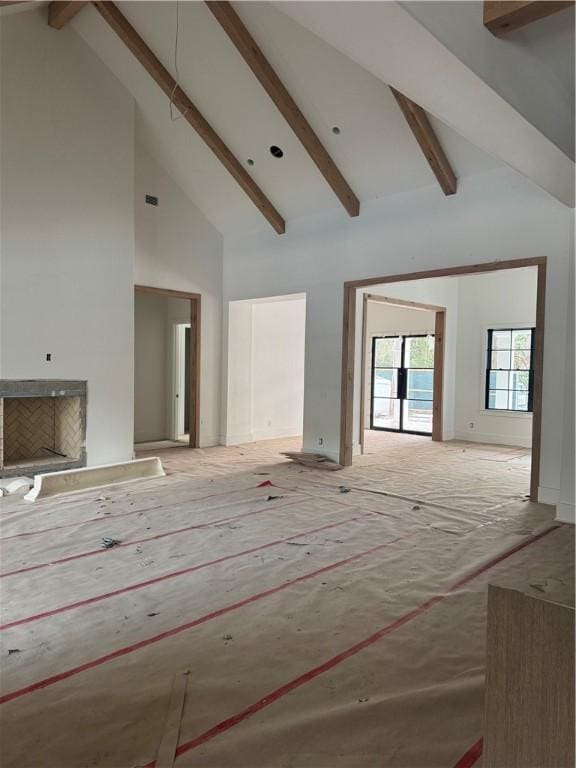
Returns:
(324,619)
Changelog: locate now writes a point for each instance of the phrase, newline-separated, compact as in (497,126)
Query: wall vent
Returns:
(151,199)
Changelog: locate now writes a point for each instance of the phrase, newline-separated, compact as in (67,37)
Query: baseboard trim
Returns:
(276,434)
(565,512)
(209,441)
(492,439)
(548,495)
(237,439)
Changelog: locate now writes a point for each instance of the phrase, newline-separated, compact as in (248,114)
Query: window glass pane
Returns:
(521,339)
(500,360)
(501,339)
(518,401)
(520,380)
(387,352)
(385,382)
(419,352)
(521,359)
(386,413)
(418,416)
(420,385)
(498,380)
(498,398)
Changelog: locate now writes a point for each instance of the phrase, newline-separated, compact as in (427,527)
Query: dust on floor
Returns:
(327,619)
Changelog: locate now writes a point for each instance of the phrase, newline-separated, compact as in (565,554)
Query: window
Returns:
(509,369)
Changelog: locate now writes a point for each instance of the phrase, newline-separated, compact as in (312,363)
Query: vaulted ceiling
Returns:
(341,93)
(374,148)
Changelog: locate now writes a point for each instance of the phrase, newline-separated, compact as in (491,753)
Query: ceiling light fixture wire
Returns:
(173,118)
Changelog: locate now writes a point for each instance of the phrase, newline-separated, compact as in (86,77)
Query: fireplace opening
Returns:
(41,432)
(45,429)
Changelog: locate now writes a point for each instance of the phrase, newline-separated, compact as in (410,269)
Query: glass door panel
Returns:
(385,413)
(403,383)
(419,352)
(386,361)
(386,382)
(419,395)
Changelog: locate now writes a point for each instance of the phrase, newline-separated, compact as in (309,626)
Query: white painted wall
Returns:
(494,216)
(278,339)
(389,320)
(532,68)
(566,507)
(67,233)
(490,301)
(265,372)
(178,248)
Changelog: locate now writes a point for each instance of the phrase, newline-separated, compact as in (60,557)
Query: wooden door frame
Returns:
(195,300)
(439,326)
(349,343)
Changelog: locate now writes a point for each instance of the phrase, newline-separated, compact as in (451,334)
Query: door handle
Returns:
(402,379)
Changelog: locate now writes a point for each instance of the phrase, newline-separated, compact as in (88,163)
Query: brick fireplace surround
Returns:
(42,426)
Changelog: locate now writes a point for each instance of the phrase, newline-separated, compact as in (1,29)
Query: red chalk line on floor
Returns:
(306,677)
(135,542)
(311,674)
(472,756)
(172,575)
(104,518)
(196,622)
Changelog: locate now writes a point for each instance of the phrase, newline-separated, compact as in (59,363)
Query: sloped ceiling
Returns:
(375,150)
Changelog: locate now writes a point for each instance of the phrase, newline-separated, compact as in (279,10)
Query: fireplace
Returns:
(42,426)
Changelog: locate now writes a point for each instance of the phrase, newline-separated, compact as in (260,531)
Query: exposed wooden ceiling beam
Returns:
(60,13)
(164,79)
(424,133)
(501,16)
(260,66)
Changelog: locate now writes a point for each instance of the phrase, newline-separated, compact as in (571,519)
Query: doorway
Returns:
(485,424)
(171,367)
(181,382)
(402,389)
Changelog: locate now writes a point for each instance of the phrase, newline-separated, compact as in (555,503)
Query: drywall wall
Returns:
(389,320)
(532,68)
(178,248)
(265,372)
(67,231)
(566,507)
(495,216)
(154,360)
(505,300)
(278,339)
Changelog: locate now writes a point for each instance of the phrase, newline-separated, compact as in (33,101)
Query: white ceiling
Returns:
(375,150)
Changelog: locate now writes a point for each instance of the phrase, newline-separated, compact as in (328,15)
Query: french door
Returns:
(402,392)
